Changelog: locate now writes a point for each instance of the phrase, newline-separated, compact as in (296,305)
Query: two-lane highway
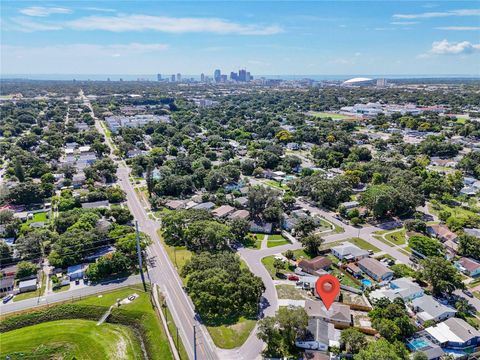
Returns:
(162,271)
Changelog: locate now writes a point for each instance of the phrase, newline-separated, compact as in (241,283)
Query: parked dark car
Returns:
(7,298)
(468,293)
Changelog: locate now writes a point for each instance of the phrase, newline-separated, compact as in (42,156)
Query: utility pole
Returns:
(194,343)
(139,252)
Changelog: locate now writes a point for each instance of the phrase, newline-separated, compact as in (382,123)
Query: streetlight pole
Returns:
(139,252)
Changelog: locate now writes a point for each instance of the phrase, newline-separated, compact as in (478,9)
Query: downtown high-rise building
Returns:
(202,77)
(172,78)
(242,75)
(217,75)
(159,77)
(179,77)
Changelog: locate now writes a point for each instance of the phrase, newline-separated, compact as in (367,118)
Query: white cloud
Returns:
(444,47)
(41,11)
(459,28)
(100,9)
(123,23)
(27,25)
(404,23)
(169,24)
(439,14)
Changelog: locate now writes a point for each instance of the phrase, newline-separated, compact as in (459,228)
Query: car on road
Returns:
(293,277)
(371,252)
(468,293)
(7,298)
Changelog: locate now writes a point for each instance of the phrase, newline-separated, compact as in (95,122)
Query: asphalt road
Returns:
(161,270)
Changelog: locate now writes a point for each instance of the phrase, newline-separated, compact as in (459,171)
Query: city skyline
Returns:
(290,38)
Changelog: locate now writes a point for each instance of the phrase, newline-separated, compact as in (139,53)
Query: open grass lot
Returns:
(456,211)
(330,115)
(276,240)
(231,336)
(37,217)
(268,263)
(80,339)
(179,255)
(290,292)
(362,244)
(132,323)
(397,237)
(277,185)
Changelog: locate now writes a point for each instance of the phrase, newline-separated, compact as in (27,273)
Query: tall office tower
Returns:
(179,77)
(202,77)
(381,82)
(233,76)
(217,75)
(172,78)
(248,77)
(242,75)
(159,77)
(224,78)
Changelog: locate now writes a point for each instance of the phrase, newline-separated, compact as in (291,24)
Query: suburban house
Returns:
(427,308)
(75,272)
(353,269)
(257,226)
(205,206)
(338,314)
(320,335)
(402,288)
(349,252)
(375,269)
(223,211)
(6,285)
(454,334)
(441,232)
(175,204)
(468,266)
(240,214)
(27,285)
(315,266)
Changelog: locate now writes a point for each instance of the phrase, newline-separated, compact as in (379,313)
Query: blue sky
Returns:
(266,37)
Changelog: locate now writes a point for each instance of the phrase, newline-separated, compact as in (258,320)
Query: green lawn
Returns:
(178,255)
(231,336)
(268,263)
(276,185)
(362,244)
(62,288)
(330,115)
(70,339)
(139,310)
(397,237)
(276,240)
(344,279)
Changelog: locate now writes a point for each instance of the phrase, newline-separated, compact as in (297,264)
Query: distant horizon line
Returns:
(153,77)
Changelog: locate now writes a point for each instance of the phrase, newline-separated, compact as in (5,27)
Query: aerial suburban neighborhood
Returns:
(231,214)
(232,223)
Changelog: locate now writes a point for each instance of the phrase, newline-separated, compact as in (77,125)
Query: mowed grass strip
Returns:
(231,336)
(81,339)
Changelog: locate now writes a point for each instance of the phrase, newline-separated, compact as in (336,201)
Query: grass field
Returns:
(329,115)
(362,244)
(276,185)
(276,240)
(81,339)
(268,263)
(179,255)
(231,336)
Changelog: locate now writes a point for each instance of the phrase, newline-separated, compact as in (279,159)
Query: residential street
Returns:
(76,294)
(162,270)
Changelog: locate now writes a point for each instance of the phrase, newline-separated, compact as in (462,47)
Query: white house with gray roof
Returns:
(427,308)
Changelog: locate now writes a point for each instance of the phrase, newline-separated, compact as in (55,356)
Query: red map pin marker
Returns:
(327,287)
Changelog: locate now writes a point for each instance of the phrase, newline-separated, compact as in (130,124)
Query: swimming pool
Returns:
(366,282)
(416,344)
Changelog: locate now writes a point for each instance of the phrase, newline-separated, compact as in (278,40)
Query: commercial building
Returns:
(116,122)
